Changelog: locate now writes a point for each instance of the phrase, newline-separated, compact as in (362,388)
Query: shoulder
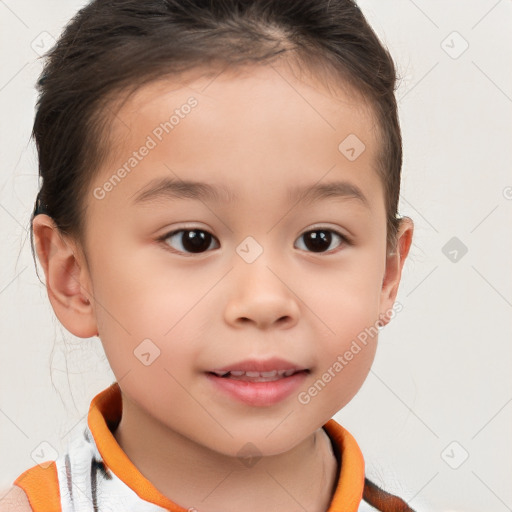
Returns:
(14,500)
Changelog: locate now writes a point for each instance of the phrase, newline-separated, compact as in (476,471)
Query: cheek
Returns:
(141,295)
(348,314)
(151,316)
(344,368)
(345,301)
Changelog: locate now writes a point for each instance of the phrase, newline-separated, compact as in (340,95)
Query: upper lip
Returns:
(260,365)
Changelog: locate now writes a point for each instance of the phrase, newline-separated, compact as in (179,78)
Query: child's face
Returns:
(258,286)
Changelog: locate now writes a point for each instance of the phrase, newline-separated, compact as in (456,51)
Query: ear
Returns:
(394,264)
(67,277)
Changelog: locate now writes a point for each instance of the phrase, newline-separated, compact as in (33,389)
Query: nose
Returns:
(261,295)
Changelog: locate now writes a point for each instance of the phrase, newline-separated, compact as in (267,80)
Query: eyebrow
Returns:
(170,188)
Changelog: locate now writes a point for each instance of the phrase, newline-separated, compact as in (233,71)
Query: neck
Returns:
(304,476)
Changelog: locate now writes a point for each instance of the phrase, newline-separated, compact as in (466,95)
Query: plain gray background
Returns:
(434,417)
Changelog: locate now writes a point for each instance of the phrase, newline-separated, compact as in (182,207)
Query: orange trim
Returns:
(106,407)
(105,413)
(41,485)
(349,490)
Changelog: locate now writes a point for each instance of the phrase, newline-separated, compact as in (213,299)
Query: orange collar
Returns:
(105,413)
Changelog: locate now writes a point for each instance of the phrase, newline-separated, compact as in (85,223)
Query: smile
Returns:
(252,376)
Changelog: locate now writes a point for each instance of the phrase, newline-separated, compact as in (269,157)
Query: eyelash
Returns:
(344,239)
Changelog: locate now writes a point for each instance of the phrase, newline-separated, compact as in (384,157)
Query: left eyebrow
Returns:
(333,189)
(170,188)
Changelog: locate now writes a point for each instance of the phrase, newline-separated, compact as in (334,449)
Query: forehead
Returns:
(287,74)
(282,93)
(245,124)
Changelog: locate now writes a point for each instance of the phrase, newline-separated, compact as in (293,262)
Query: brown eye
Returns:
(320,240)
(189,240)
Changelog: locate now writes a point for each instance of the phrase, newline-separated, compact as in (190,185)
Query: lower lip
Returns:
(259,394)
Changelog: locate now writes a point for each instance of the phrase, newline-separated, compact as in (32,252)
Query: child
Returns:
(267,129)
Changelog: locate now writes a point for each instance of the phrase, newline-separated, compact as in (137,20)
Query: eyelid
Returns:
(162,239)
(346,239)
(318,227)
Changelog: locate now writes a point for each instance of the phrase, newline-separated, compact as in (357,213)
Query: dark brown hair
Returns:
(120,45)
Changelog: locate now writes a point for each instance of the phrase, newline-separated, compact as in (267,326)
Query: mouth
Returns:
(254,376)
(258,382)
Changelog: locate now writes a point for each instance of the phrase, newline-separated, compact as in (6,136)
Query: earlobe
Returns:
(393,273)
(66,277)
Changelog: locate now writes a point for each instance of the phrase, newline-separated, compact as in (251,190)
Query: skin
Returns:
(258,133)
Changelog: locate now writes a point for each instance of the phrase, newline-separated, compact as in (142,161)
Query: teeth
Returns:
(256,375)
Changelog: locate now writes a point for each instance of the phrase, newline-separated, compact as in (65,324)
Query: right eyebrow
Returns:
(170,188)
